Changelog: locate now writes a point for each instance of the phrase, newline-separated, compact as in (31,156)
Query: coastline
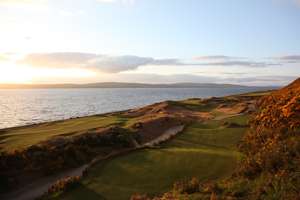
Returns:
(158,118)
(89,103)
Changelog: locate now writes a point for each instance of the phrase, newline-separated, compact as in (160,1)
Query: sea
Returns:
(19,107)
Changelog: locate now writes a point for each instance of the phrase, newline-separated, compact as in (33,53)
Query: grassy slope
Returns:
(22,137)
(16,138)
(205,151)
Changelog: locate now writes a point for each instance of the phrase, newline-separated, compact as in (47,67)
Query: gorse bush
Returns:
(63,185)
(187,186)
(272,146)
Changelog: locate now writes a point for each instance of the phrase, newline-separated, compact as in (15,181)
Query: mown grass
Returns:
(206,151)
(22,137)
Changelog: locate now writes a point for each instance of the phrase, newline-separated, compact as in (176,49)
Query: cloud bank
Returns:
(217,57)
(240,63)
(214,69)
(103,63)
(289,59)
(116,64)
(222,60)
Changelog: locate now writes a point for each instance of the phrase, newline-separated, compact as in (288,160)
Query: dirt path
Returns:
(39,187)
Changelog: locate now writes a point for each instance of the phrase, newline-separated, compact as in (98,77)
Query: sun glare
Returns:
(12,73)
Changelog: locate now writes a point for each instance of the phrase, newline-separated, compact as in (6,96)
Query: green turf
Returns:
(17,138)
(206,151)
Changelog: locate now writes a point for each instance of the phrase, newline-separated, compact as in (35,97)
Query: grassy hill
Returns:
(271,163)
(219,155)
(206,149)
(23,137)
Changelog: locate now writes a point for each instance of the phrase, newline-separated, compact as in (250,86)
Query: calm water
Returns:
(28,106)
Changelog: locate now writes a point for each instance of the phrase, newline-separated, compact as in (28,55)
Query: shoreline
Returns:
(42,122)
(152,124)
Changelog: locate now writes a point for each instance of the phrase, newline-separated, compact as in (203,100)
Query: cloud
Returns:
(215,61)
(111,66)
(240,63)
(103,63)
(116,64)
(289,58)
(168,61)
(216,57)
(222,60)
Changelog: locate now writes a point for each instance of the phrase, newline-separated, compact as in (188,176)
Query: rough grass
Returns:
(22,137)
(18,138)
(259,93)
(205,151)
(195,105)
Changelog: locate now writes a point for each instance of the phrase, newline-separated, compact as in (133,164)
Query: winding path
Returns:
(39,187)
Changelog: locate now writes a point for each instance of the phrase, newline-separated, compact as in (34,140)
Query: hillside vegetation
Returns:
(112,153)
(12,139)
(204,150)
(271,165)
(272,147)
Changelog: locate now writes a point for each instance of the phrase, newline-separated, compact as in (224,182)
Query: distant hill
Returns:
(123,85)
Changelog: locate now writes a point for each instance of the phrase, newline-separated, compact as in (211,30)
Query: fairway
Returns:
(203,150)
(22,137)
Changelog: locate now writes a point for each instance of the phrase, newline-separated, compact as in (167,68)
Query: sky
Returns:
(249,42)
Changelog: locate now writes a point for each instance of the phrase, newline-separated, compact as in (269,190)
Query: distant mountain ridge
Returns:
(123,85)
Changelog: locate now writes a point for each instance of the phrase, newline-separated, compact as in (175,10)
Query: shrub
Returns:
(62,185)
